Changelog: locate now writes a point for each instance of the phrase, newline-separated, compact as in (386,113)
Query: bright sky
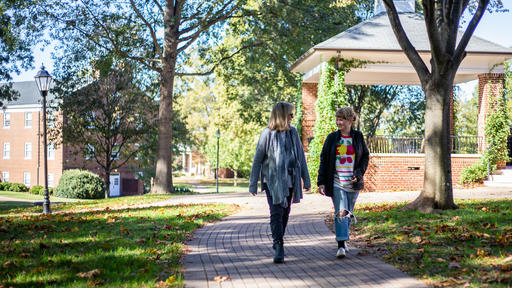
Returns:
(493,27)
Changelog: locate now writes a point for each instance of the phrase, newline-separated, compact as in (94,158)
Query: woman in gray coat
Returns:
(280,164)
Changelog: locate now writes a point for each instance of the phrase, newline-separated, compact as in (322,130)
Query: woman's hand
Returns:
(321,189)
(354,179)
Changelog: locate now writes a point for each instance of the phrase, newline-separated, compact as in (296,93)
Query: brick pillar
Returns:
(487,83)
(309,96)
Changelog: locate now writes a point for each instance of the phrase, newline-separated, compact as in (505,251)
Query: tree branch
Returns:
(151,31)
(404,42)
(159,6)
(436,44)
(461,47)
(220,61)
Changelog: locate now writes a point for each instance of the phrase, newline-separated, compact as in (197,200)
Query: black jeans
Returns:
(278,215)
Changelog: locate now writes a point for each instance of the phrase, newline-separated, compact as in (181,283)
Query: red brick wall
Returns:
(17,135)
(309,96)
(388,172)
(487,84)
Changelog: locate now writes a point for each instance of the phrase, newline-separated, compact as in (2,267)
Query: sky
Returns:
(493,27)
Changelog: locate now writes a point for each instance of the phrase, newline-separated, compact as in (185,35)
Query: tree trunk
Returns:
(235,182)
(163,173)
(107,184)
(437,190)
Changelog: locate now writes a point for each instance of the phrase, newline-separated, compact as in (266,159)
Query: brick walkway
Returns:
(239,246)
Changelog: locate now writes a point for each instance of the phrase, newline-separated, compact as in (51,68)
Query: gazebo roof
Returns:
(374,40)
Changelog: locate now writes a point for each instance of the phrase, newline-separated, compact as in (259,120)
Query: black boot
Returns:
(279,252)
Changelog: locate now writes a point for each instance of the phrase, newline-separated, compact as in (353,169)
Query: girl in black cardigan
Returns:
(343,162)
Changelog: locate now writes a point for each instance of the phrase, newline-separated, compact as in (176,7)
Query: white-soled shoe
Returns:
(340,253)
(345,245)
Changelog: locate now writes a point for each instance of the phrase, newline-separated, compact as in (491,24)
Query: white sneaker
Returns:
(347,249)
(340,253)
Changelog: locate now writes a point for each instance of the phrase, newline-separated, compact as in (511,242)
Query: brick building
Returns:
(21,128)
(374,41)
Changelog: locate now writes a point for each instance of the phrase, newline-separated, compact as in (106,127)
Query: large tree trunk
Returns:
(437,190)
(163,173)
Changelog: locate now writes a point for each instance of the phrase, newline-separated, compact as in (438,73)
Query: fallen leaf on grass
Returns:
(74,229)
(506,267)
(43,246)
(140,241)
(454,265)
(90,274)
(124,230)
(7,264)
(219,279)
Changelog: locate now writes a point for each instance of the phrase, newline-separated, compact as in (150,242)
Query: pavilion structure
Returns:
(374,42)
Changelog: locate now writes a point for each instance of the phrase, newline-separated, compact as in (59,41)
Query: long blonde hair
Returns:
(279,116)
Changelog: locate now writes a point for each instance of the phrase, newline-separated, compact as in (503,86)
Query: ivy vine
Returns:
(497,130)
(331,95)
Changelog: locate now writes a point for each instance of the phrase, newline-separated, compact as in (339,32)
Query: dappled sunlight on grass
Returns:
(134,247)
(467,246)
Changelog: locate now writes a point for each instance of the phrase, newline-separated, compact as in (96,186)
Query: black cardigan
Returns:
(328,156)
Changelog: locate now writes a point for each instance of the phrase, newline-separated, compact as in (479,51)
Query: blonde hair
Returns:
(347,113)
(279,116)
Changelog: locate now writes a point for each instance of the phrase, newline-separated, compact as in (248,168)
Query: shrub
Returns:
(13,187)
(80,184)
(182,188)
(39,190)
(474,173)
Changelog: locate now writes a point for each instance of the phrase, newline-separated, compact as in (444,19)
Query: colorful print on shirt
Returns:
(344,162)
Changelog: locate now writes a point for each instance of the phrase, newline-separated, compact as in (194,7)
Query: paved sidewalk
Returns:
(239,246)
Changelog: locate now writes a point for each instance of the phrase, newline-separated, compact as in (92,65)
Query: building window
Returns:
(89,152)
(137,154)
(91,118)
(5,176)
(7,120)
(26,178)
(7,150)
(50,180)
(115,152)
(28,150)
(51,151)
(51,120)
(28,119)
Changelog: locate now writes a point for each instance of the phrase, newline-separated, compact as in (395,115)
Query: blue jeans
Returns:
(343,200)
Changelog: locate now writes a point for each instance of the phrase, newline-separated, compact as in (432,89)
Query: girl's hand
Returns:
(321,189)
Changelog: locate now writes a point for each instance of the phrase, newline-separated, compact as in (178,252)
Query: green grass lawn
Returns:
(28,196)
(209,185)
(109,243)
(469,246)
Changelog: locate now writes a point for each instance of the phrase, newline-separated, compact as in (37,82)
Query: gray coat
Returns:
(269,164)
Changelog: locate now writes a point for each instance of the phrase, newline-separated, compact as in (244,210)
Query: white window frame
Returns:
(91,118)
(7,120)
(115,152)
(51,151)
(51,120)
(28,151)
(7,150)
(89,156)
(26,178)
(5,176)
(28,119)
(50,180)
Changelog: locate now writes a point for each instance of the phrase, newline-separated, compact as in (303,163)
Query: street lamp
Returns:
(43,80)
(217,170)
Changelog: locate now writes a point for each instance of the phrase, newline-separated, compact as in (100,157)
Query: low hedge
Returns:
(13,187)
(80,184)
(39,190)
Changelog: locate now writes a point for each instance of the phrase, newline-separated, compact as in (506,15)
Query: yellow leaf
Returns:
(170,280)
(90,274)
(219,279)
(74,229)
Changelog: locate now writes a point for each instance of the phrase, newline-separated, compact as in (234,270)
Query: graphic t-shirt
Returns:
(344,164)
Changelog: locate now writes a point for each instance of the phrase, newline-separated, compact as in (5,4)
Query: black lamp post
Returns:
(43,80)
(217,170)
